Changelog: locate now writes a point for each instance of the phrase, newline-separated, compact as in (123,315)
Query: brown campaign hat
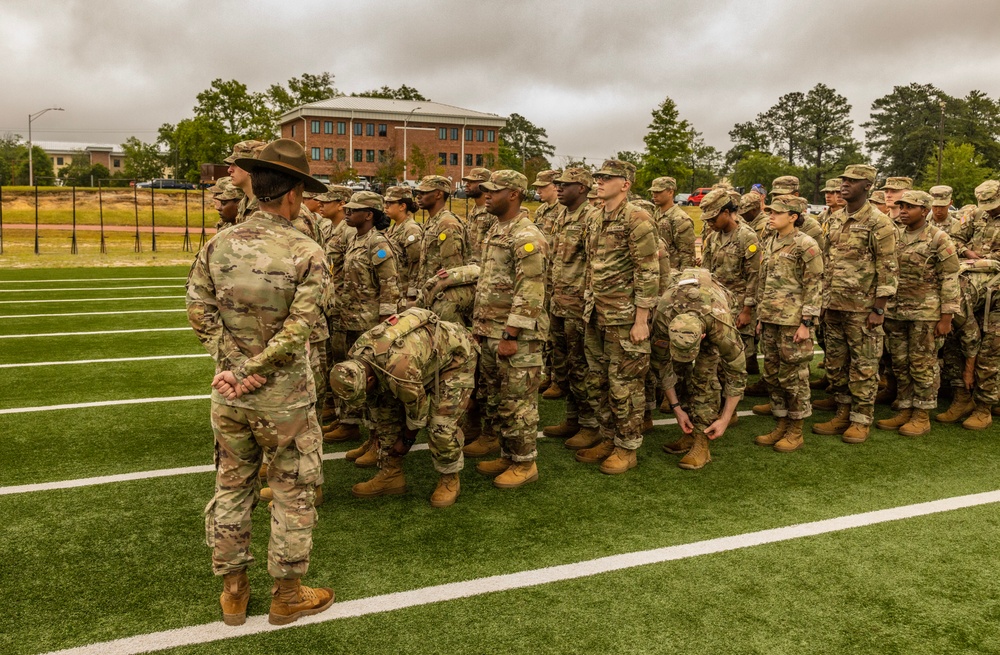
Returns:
(284,156)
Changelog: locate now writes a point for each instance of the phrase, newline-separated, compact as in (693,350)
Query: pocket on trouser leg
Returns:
(210,523)
(310,455)
(291,539)
(871,341)
(634,362)
(796,353)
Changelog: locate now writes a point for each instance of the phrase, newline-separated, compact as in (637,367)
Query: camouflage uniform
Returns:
(511,291)
(478,221)
(453,296)
(676,228)
(224,189)
(406,238)
(622,275)
(425,370)
(335,249)
(734,260)
(860,267)
(444,245)
(252,323)
(546,214)
(248,205)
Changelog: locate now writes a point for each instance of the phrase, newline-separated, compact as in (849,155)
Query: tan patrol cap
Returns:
(477,175)
(784,185)
(576,175)
(941,195)
(897,184)
(860,172)
(988,195)
(506,179)
(663,184)
(245,149)
(545,178)
(915,198)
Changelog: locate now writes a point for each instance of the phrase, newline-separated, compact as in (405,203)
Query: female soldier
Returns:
(405,235)
(789,296)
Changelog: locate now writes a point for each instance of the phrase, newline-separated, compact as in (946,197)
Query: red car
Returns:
(695,198)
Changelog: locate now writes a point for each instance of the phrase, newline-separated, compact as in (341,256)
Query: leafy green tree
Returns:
(404,92)
(669,146)
(99,172)
(905,128)
(238,110)
(522,140)
(390,169)
(826,135)
(962,168)
(746,137)
(976,121)
(761,168)
(706,162)
(77,173)
(143,161)
(11,151)
(300,91)
(193,142)
(784,123)
(421,162)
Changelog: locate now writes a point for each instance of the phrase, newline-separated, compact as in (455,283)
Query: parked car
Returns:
(695,198)
(682,199)
(817,209)
(165,183)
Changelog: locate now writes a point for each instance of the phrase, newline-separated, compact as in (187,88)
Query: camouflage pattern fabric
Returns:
(370,286)
(852,354)
(676,228)
(734,261)
(927,279)
(508,396)
(980,234)
(786,370)
(570,368)
(914,349)
(987,372)
(453,297)
(545,218)
(247,207)
(335,249)
(616,375)
(478,223)
(444,244)
(861,260)
(406,239)
(568,262)
(791,280)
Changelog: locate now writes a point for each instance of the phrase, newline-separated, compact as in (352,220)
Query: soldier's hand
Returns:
(743,318)
(874,320)
(507,348)
(760,328)
(683,420)
(943,327)
(251,383)
(716,429)
(969,374)
(225,383)
(801,334)
(639,332)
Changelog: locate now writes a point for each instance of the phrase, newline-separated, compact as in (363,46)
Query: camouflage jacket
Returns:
(734,260)
(623,271)
(478,223)
(407,353)
(980,234)
(246,208)
(511,288)
(444,244)
(791,279)
(335,249)
(253,297)
(928,277)
(568,261)
(974,276)
(666,272)
(545,217)
(406,238)
(860,262)
(695,292)
(324,228)
(371,287)
(950,225)
(676,229)
(761,226)
(811,227)
(305,224)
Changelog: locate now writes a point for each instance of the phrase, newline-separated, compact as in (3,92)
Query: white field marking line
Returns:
(145,286)
(84,334)
(128,311)
(110,360)
(163,473)
(25,302)
(217,631)
(815,352)
(90,279)
(100,403)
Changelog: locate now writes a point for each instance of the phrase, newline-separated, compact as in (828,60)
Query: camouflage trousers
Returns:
(293,439)
(952,361)
(341,342)
(852,355)
(569,368)
(617,370)
(446,410)
(698,388)
(988,363)
(914,349)
(508,396)
(786,370)
(318,364)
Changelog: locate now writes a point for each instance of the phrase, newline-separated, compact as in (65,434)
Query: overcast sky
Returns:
(587,72)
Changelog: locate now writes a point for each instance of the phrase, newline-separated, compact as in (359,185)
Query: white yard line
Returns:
(110,360)
(100,403)
(90,279)
(25,302)
(127,311)
(217,631)
(145,286)
(84,334)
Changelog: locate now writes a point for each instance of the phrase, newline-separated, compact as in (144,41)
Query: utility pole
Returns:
(31,163)
(942,104)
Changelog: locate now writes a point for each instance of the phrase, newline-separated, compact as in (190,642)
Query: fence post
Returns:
(36,217)
(135,203)
(186,247)
(152,214)
(72,244)
(100,211)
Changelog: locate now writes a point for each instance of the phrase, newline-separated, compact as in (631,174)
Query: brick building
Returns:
(362,133)
(62,152)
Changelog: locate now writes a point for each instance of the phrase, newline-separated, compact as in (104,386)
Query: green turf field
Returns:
(101,562)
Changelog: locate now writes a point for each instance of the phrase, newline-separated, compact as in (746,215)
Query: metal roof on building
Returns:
(73,146)
(375,108)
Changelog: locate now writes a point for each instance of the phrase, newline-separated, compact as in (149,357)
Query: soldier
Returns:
(674,225)
(255,326)
(893,189)
(545,213)
(405,235)
(878,200)
(593,200)
(568,264)
(695,344)
(511,324)
(834,202)
(227,197)
(788,185)
(445,244)
(479,221)
(941,208)
(241,178)
(413,371)
(622,283)
(860,277)
(918,317)
(789,296)
(751,210)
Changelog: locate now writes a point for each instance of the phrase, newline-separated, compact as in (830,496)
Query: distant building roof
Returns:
(381,108)
(73,146)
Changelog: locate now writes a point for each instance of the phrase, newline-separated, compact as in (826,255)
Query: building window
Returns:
(443,158)
(468,134)
(491,136)
(327,127)
(479,135)
(59,161)
(369,155)
(454,134)
(314,127)
(479,160)
(468,160)
(442,133)
(328,154)
(358,127)
(341,127)
(370,129)
(116,163)
(454,159)
(341,154)
(383,130)
(293,131)
(315,154)
(381,156)
(358,155)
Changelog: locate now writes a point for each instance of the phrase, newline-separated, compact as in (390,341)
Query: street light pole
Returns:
(31,163)
(405,123)
(943,104)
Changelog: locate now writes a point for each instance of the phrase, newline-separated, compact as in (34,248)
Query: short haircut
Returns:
(268,185)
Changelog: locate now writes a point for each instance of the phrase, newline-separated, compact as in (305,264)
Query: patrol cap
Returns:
(592,193)
(335,192)
(663,184)
(788,203)
(245,149)
(366,200)
(224,189)
(832,185)
(685,337)
(734,196)
(749,200)
(309,195)
(506,179)
(860,172)
(477,175)
(434,183)
(394,193)
(898,183)
(545,178)
(988,195)
(878,197)
(784,185)
(577,175)
(713,203)
(915,198)
(617,168)
(348,380)
(283,156)
(941,195)
(723,184)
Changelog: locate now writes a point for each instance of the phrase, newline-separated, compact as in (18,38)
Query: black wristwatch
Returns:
(674,405)
(507,336)
(808,322)
(879,311)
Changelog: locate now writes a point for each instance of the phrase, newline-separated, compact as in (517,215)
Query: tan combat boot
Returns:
(597,453)
(353,454)
(886,395)
(827,404)
(647,421)
(896,421)
(263,471)
(981,418)
(291,600)
(446,492)
(585,438)
(389,480)
(758,388)
(564,430)
(996,410)
(517,475)
(620,460)
(856,433)
(762,410)
(486,444)
(343,432)
(838,424)
(698,456)
(775,435)
(234,598)
(918,425)
(329,414)
(820,383)
(680,446)
(554,392)
(793,438)
(369,459)
(266,494)
(494,467)
(961,405)
(318,500)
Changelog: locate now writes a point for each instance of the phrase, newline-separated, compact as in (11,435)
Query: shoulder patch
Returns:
(752,248)
(411,238)
(442,236)
(529,247)
(380,254)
